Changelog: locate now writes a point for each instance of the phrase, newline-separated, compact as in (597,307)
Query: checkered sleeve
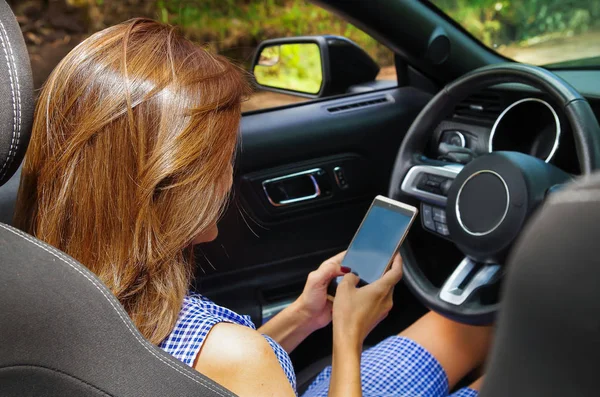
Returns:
(465,392)
(191,329)
(284,361)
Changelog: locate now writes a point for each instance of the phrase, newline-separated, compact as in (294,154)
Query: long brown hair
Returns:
(130,158)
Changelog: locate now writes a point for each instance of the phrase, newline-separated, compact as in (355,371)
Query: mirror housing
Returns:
(343,65)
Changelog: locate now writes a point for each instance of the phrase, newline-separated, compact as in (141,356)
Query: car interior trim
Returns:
(360,103)
(308,173)
(455,292)
(516,103)
(461,136)
(269,311)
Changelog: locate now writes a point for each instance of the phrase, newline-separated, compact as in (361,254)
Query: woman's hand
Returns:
(356,311)
(313,301)
(310,311)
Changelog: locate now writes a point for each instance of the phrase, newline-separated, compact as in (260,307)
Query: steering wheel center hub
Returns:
(492,197)
(482,203)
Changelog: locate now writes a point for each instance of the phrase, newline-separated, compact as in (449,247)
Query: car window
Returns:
(556,33)
(233,28)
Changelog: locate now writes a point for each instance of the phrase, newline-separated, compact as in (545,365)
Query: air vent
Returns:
(359,104)
(481,108)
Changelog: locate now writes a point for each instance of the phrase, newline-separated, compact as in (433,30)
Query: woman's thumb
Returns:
(350,279)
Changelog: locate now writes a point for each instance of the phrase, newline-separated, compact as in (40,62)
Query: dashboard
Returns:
(510,117)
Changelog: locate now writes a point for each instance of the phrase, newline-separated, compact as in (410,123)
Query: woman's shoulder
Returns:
(198,316)
(244,361)
(236,343)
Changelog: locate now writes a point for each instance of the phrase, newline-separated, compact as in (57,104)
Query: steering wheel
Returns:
(488,200)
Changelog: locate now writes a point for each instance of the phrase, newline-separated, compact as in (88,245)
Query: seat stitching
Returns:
(72,263)
(19,112)
(12,89)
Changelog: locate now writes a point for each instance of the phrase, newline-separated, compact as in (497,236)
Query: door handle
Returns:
(293,188)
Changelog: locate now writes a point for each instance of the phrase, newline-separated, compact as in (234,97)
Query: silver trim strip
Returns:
(556,120)
(460,222)
(269,311)
(360,104)
(409,185)
(309,173)
(450,291)
(463,140)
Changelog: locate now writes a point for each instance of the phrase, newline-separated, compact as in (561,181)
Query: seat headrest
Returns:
(546,341)
(16,94)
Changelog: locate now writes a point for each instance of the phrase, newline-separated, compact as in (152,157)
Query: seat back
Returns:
(548,335)
(62,332)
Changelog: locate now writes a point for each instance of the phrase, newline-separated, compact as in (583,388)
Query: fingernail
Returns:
(345,269)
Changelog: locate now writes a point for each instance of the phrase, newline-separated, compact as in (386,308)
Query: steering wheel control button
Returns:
(439,215)
(340,178)
(442,229)
(434,219)
(435,179)
(445,186)
(434,184)
(416,184)
(482,203)
(427,216)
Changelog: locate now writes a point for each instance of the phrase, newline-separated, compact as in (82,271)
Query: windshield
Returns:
(559,33)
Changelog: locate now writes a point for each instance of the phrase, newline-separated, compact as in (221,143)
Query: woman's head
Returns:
(130,162)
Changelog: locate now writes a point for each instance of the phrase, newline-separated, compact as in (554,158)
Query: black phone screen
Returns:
(377,240)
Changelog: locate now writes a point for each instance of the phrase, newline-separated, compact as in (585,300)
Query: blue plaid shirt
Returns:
(396,367)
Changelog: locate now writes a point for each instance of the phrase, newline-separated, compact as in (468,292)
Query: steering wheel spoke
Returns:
(467,278)
(430,180)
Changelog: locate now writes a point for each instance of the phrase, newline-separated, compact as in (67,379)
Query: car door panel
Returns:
(324,183)
(263,252)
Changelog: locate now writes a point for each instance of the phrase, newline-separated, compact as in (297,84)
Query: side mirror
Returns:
(312,66)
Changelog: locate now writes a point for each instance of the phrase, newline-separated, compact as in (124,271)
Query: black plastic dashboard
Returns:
(518,117)
(509,118)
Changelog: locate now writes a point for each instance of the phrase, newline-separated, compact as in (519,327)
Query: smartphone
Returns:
(377,240)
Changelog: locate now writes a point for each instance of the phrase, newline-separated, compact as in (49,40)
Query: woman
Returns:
(130,165)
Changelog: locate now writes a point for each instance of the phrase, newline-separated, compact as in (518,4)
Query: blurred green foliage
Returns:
(235,27)
(523,22)
(294,67)
(535,31)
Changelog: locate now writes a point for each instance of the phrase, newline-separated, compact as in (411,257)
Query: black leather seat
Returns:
(8,198)
(62,332)
(548,336)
